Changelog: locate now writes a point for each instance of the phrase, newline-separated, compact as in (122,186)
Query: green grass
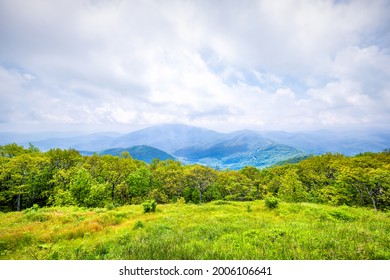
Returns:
(219,230)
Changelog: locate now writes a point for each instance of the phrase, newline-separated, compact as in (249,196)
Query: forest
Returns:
(31,178)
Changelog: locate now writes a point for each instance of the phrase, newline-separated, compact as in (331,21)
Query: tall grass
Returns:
(218,230)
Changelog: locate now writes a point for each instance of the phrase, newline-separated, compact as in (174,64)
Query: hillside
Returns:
(214,231)
(219,150)
(141,152)
(237,150)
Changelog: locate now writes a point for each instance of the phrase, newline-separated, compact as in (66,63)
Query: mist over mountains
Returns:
(348,143)
(199,145)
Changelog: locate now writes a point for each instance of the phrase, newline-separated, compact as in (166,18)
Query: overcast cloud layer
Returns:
(122,65)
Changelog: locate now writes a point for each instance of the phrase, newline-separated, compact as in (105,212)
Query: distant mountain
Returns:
(236,142)
(293,160)
(84,142)
(141,152)
(345,142)
(47,141)
(170,137)
(237,150)
(16,137)
(223,150)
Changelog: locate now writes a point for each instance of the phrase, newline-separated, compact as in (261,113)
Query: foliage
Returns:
(149,206)
(79,207)
(181,200)
(138,225)
(139,182)
(271,202)
(65,178)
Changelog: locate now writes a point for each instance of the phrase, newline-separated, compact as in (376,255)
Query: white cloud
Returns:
(231,65)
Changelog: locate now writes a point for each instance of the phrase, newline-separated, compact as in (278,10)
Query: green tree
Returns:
(256,188)
(291,188)
(64,159)
(98,196)
(23,180)
(61,195)
(235,185)
(112,170)
(200,177)
(80,186)
(168,179)
(319,175)
(12,150)
(5,193)
(378,187)
(354,177)
(380,179)
(139,183)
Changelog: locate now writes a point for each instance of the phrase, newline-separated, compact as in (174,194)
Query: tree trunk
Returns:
(19,202)
(374,203)
(361,195)
(371,194)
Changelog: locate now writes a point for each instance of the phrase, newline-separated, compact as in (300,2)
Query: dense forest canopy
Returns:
(64,177)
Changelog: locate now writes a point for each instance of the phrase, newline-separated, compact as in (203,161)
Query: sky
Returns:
(102,65)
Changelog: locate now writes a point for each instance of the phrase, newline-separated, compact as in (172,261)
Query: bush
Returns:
(110,206)
(138,225)
(271,202)
(181,200)
(342,215)
(221,202)
(32,209)
(149,206)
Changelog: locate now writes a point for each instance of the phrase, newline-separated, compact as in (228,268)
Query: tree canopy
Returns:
(64,177)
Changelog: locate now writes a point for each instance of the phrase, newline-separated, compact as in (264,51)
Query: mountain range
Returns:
(140,152)
(190,144)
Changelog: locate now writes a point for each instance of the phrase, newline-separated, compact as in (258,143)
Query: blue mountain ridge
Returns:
(221,150)
(139,152)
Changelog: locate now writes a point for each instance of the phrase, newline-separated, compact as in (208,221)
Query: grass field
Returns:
(219,230)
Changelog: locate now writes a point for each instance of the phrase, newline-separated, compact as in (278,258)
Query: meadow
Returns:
(219,230)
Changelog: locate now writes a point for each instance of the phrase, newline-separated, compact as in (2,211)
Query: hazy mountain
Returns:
(238,149)
(319,142)
(197,145)
(97,141)
(142,152)
(63,140)
(169,137)
(16,137)
(236,142)
(224,150)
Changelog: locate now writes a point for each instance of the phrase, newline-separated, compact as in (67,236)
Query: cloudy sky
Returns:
(102,65)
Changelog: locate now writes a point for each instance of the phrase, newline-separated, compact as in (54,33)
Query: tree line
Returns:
(64,177)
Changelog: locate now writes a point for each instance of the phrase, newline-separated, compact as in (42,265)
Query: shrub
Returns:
(138,225)
(110,206)
(221,202)
(149,206)
(32,209)
(271,202)
(181,200)
(342,215)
